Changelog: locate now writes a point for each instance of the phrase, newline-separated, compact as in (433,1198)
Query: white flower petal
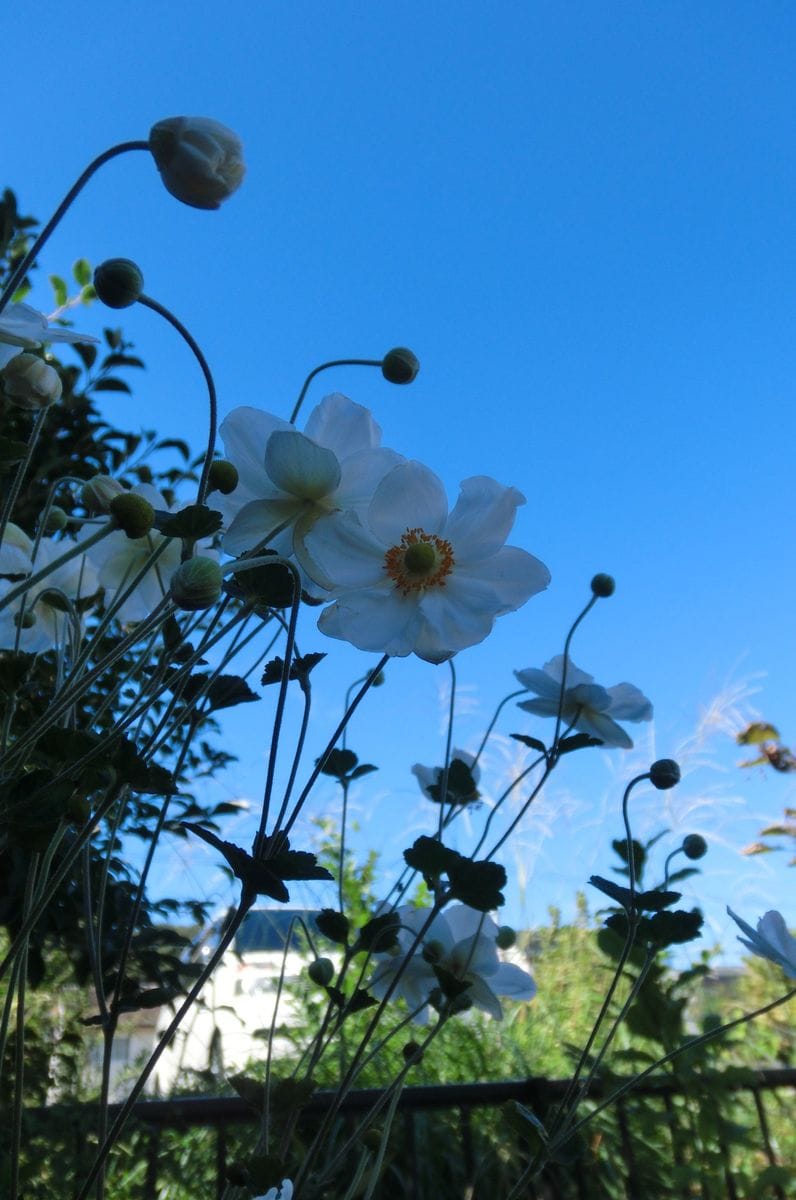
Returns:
(245,433)
(536,680)
(512,575)
(482,517)
(510,980)
(256,520)
(347,552)
(301,467)
(378,620)
(600,725)
(342,426)
(628,703)
(361,474)
(408,497)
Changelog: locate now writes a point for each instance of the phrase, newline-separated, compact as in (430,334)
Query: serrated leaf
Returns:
(264,876)
(429,856)
(225,691)
(111,385)
(653,901)
(477,884)
(333,925)
(194,521)
(380,934)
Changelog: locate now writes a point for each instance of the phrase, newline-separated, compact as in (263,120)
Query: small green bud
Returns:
(378,679)
(603,586)
(31,382)
(400,365)
(56,519)
(694,846)
(506,937)
(433,952)
(223,476)
(97,494)
(321,971)
(460,1003)
(196,584)
(26,619)
(664,774)
(118,282)
(412,1053)
(133,514)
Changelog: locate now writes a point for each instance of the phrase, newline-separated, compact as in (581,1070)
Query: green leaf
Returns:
(461,788)
(578,741)
(429,856)
(338,763)
(60,290)
(652,901)
(757,733)
(264,876)
(225,691)
(87,353)
(478,884)
(333,925)
(195,521)
(111,385)
(140,775)
(531,742)
(380,934)
(81,270)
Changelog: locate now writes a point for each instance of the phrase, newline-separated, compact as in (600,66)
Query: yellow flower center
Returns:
(421,560)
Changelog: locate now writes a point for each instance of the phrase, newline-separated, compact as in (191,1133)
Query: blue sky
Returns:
(581,218)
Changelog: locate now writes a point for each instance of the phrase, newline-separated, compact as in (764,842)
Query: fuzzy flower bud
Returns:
(603,585)
(97,494)
(200,160)
(134,515)
(664,774)
(506,937)
(321,971)
(223,476)
(196,584)
(31,383)
(56,519)
(400,365)
(694,846)
(118,282)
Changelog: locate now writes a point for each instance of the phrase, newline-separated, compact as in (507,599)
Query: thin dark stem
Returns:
(22,268)
(148,302)
(336,362)
(493,722)
(21,472)
(259,841)
(446,770)
(567,644)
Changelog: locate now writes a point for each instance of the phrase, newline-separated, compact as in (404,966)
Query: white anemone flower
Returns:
(46,621)
(119,560)
(410,577)
(288,479)
(587,706)
(283,1192)
(25,328)
(770,940)
(430,779)
(16,551)
(463,943)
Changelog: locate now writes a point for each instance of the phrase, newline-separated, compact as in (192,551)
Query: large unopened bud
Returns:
(400,365)
(97,494)
(196,584)
(118,282)
(31,383)
(199,159)
(134,515)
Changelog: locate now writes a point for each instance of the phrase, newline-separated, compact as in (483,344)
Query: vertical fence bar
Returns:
(466,1131)
(674,1137)
(762,1121)
(152,1156)
(221,1161)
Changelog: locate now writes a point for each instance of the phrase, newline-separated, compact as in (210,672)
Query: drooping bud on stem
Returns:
(31,383)
(400,365)
(134,515)
(118,282)
(196,584)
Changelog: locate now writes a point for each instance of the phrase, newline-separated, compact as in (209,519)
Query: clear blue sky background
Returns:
(581,217)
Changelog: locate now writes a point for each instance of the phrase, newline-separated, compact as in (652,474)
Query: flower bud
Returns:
(694,846)
(31,383)
(200,160)
(134,515)
(118,282)
(26,619)
(97,494)
(400,365)
(196,584)
(412,1052)
(506,937)
(433,952)
(56,519)
(321,971)
(460,1003)
(664,774)
(603,585)
(223,476)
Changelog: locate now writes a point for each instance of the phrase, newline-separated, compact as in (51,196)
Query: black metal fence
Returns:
(725,1139)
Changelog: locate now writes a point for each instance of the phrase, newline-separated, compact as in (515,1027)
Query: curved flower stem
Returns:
(244,905)
(567,644)
(19,1050)
(336,362)
(493,722)
(75,549)
(22,471)
(330,745)
(24,266)
(148,302)
(446,770)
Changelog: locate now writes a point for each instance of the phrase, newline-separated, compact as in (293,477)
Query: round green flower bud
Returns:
(97,494)
(400,365)
(223,476)
(321,971)
(56,519)
(664,774)
(378,679)
(118,282)
(412,1052)
(460,1003)
(694,846)
(506,937)
(433,952)
(26,619)
(133,514)
(603,586)
(31,382)
(196,584)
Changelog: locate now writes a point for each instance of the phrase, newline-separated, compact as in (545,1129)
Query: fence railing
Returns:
(682,1131)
